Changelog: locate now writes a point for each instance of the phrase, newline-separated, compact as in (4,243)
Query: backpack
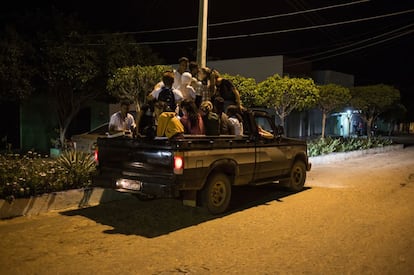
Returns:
(167,95)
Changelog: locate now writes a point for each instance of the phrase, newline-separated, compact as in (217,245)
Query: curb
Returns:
(336,157)
(75,198)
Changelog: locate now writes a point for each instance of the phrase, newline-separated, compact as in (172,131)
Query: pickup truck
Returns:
(201,170)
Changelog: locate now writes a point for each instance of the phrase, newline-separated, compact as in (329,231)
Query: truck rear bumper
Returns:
(150,189)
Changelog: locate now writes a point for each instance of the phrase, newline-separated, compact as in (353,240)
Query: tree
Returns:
(373,100)
(287,94)
(332,97)
(122,51)
(247,88)
(134,83)
(69,69)
(15,69)
(393,114)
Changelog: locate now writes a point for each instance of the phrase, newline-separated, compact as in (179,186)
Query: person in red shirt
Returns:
(192,120)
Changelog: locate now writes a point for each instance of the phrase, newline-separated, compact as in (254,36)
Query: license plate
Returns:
(129,184)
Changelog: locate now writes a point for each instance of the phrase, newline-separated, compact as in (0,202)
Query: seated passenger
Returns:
(192,121)
(235,120)
(210,119)
(224,119)
(168,124)
(122,121)
(147,120)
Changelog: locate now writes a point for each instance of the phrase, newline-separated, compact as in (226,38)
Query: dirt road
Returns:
(353,218)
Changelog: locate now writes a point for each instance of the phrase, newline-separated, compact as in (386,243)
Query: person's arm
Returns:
(212,86)
(237,95)
(178,96)
(154,94)
(192,92)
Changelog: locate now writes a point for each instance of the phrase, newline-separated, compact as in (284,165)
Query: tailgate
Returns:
(148,164)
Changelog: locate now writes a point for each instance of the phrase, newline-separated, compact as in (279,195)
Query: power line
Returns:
(344,41)
(241,20)
(281,31)
(354,49)
(313,27)
(358,42)
(288,14)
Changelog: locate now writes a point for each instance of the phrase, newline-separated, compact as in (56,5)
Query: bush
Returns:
(331,145)
(78,167)
(32,174)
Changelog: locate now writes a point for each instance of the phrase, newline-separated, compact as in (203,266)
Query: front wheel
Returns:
(297,176)
(216,193)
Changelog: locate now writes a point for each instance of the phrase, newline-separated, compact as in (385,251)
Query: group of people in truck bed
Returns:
(189,100)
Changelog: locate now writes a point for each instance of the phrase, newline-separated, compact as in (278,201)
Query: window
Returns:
(264,123)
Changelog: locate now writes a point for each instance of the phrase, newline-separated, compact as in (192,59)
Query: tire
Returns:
(216,193)
(297,176)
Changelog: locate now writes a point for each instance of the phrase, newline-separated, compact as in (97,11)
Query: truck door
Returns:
(271,153)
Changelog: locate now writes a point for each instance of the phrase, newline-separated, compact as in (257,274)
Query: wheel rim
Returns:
(297,176)
(218,193)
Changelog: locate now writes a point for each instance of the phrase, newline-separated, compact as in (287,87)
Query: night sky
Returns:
(390,60)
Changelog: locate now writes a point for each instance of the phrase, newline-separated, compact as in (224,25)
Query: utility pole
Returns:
(202,33)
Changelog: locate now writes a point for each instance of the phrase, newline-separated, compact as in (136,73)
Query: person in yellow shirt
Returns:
(168,124)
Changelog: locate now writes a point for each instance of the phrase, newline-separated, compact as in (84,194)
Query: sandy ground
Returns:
(353,218)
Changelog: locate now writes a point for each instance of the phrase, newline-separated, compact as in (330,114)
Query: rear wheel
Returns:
(297,176)
(216,193)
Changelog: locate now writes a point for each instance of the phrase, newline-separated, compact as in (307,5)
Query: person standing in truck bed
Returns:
(167,93)
(225,89)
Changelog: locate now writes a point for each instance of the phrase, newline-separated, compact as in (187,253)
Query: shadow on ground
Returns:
(159,217)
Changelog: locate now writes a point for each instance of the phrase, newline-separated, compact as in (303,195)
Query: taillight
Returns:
(178,165)
(96,156)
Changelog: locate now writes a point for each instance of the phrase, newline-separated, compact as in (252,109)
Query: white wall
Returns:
(327,77)
(259,68)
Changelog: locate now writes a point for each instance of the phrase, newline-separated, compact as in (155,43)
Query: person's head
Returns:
(182,64)
(189,109)
(204,73)
(125,107)
(206,107)
(186,78)
(193,67)
(234,111)
(188,106)
(148,108)
(168,79)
